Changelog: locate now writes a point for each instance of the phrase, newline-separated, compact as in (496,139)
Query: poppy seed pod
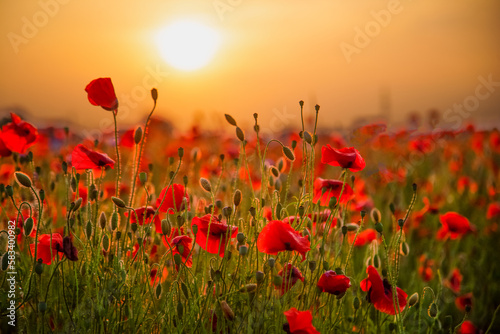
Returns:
(230,119)
(250,287)
(180,152)
(154,94)
(138,135)
(23,179)
(9,191)
(243,250)
(240,237)
(226,310)
(259,276)
(240,134)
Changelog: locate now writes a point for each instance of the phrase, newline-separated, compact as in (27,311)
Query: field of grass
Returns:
(383,230)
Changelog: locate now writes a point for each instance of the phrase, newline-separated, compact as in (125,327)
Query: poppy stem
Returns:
(118,171)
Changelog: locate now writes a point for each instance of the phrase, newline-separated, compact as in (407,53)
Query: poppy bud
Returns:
(275,171)
(414,186)
(139,240)
(118,202)
(184,290)
(271,262)
(180,152)
(154,94)
(166,227)
(307,137)
(301,103)
(118,234)
(227,211)
(5,261)
(332,203)
(259,276)
(39,267)
(9,191)
(227,311)
(158,291)
(392,208)
(194,228)
(243,250)
(252,211)
(237,197)
(23,179)
(180,310)
(352,227)
(240,237)
(28,226)
(344,230)
(42,194)
(316,107)
(413,299)
(277,280)
(240,134)
(205,184)
(339,271)
(376,216)
(287,152)
(305,232)
(64,167)
(88,230)
(143,177)
(114,221)
(77,204)
(433,310)
(401,222)
(405,248)
(42,307)
(138,135)
(133,226)
(230,119)
(177,259)
(250,287)
(326,266)
(379,227)
(102,220)
(356,303)
(73,183)
(467,308)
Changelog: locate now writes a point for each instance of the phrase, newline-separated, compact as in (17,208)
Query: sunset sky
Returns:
(425,54)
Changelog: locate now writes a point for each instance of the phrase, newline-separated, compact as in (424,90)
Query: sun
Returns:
(187,45)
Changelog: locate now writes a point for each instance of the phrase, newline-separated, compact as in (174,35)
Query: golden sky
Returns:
(425,54)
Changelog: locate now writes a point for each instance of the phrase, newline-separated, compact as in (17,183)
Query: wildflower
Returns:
(213,234)
(290,275)
(17,136)
(425,270)
(462,301)
(155,278)
(467,327)
(173,198)
(84,158)
(334,284)
(455,280)
(145,215)
(454,226)
(102,93)
(46,246)
(299,322)
(493,210)
(364,237)
(380,292)
(347,157)
(182,246)
(326,189)
(278,236)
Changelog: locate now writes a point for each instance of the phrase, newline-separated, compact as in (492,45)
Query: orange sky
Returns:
(429,54)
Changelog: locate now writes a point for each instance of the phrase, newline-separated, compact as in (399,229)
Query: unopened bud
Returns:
(205,184)
(433,310)
(39,267)
(180,152)
(105,242)
(287,152)
(352,227)
(118,202)
(138,135)
(158,291)
(227,311)
(405,248)
(133,226)
(307,137)
(243,250)
(23,179)
(166,227)
(143,177)
(237,197)
(375,214)
(332,203)
(177,259)
(259,276)
(77,204)
(102,220)
(42,307)
(356,303)
(28,226)
(154,94)
(240,134)
(275,171)
(413,299)
(230,119)
(277,280)
(88,230)
(249,287)
(114,221)
(379,227)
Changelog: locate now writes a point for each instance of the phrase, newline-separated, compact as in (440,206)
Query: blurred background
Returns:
(361,61)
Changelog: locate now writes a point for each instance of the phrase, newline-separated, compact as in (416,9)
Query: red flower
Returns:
(326,189)
(454,226)
(173,199)
(455,280)
(277,236)
(83,158)
(182,245)
(300,322)
(155,277)
(380,292)
(462,301)
(45,246)
(290,276)
(425,270)
(17,136)
(364,237)
(102,93)
(334,284)
(493,210)
(148,214)
(467,328)
(347,157)
(213,234)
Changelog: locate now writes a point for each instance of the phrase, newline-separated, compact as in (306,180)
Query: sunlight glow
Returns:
(187,45)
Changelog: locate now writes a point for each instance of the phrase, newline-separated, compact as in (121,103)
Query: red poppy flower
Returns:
(83,158)
(278,236)
(213,234)
(493,210)
(454,226)
(334,284)
(380,292)
(300,322)
(326,189)
(364,237)
(102,93)
(290,276)
(17,136)
(155,277)
(425,269)
(347,157)
(182,245)
(455,281)
(173,199)
(128,139)
(4,151)
(145,213)
(45,246)
(462,301)
(467,328)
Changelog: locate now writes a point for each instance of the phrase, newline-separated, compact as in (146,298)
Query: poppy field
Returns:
(149,230)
